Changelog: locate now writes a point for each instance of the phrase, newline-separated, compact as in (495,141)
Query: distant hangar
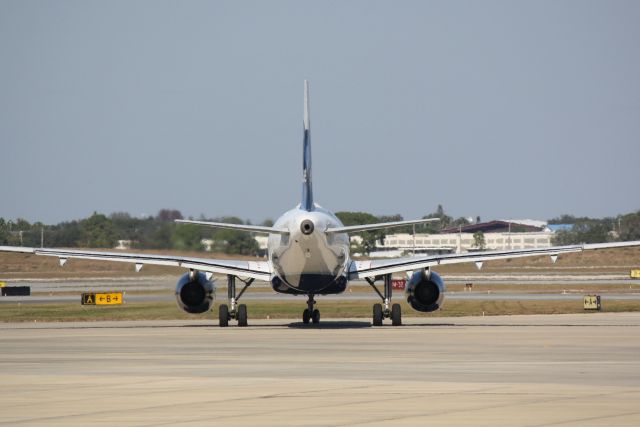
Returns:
(498,235)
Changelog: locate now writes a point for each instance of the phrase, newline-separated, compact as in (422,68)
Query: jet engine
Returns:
(194,292)
(425,290)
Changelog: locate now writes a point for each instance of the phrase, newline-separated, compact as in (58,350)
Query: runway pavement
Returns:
(512,370)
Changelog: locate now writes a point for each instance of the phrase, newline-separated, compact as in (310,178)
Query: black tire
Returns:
(241,315)
(306,316)
(315,316)
(223,315)
(377,315)
(396,315)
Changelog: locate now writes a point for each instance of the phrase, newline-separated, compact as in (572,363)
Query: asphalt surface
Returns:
(564,370)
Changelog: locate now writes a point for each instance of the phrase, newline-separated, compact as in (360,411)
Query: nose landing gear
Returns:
(309,313)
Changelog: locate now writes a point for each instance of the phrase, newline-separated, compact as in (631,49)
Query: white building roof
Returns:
(531,222)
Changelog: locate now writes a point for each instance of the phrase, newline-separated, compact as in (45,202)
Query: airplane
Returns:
(308,254)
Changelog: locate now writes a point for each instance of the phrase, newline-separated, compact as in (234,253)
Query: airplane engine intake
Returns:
(425,291)
(195,293)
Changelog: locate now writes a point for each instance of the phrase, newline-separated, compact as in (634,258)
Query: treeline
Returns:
(161,232)
(153,232)
(597,230)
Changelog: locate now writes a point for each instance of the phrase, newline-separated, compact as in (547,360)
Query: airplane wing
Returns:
(362,269)
(260,270)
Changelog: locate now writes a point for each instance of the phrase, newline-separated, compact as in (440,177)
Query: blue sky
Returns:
(498,109)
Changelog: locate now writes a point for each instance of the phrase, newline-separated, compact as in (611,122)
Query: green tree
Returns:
(478,240)
(97,232)
(168,215)
(462,221)
(127,227)
(64,235)
(187,237)
(433,227)
(565,237)
(158,235)
(4,232)
(585,230)
(236,242)
(629,225)
(568,219)
(32,236)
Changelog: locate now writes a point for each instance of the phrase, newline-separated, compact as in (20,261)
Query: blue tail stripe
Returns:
(307,186)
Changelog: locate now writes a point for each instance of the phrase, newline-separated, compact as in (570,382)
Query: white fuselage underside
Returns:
(308,262)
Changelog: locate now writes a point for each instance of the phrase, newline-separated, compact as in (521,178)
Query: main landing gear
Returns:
(393,312)
(238,312)
(309,313)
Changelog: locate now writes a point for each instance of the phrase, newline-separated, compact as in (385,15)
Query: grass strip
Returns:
(68,312)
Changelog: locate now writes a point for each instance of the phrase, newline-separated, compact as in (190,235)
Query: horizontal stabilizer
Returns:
(365,227)
(242,227)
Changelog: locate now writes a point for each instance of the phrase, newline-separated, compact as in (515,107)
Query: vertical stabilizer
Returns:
(307,186)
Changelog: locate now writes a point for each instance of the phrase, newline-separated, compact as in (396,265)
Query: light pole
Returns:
(414,240)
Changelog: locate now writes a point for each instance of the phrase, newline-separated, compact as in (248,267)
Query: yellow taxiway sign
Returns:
(94,298)
(592,302)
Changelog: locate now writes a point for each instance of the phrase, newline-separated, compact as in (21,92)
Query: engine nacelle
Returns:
(195,293)
(425,290)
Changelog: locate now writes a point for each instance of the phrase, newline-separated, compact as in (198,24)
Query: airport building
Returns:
(498,235)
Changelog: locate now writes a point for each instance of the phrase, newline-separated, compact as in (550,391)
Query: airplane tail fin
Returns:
(307,186)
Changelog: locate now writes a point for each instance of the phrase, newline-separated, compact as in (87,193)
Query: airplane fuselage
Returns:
(307,259)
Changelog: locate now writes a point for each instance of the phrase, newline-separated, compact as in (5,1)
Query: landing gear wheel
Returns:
(315,316)
(306,316)
(241,315)
(223,315)
(377,314)
(396,315)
